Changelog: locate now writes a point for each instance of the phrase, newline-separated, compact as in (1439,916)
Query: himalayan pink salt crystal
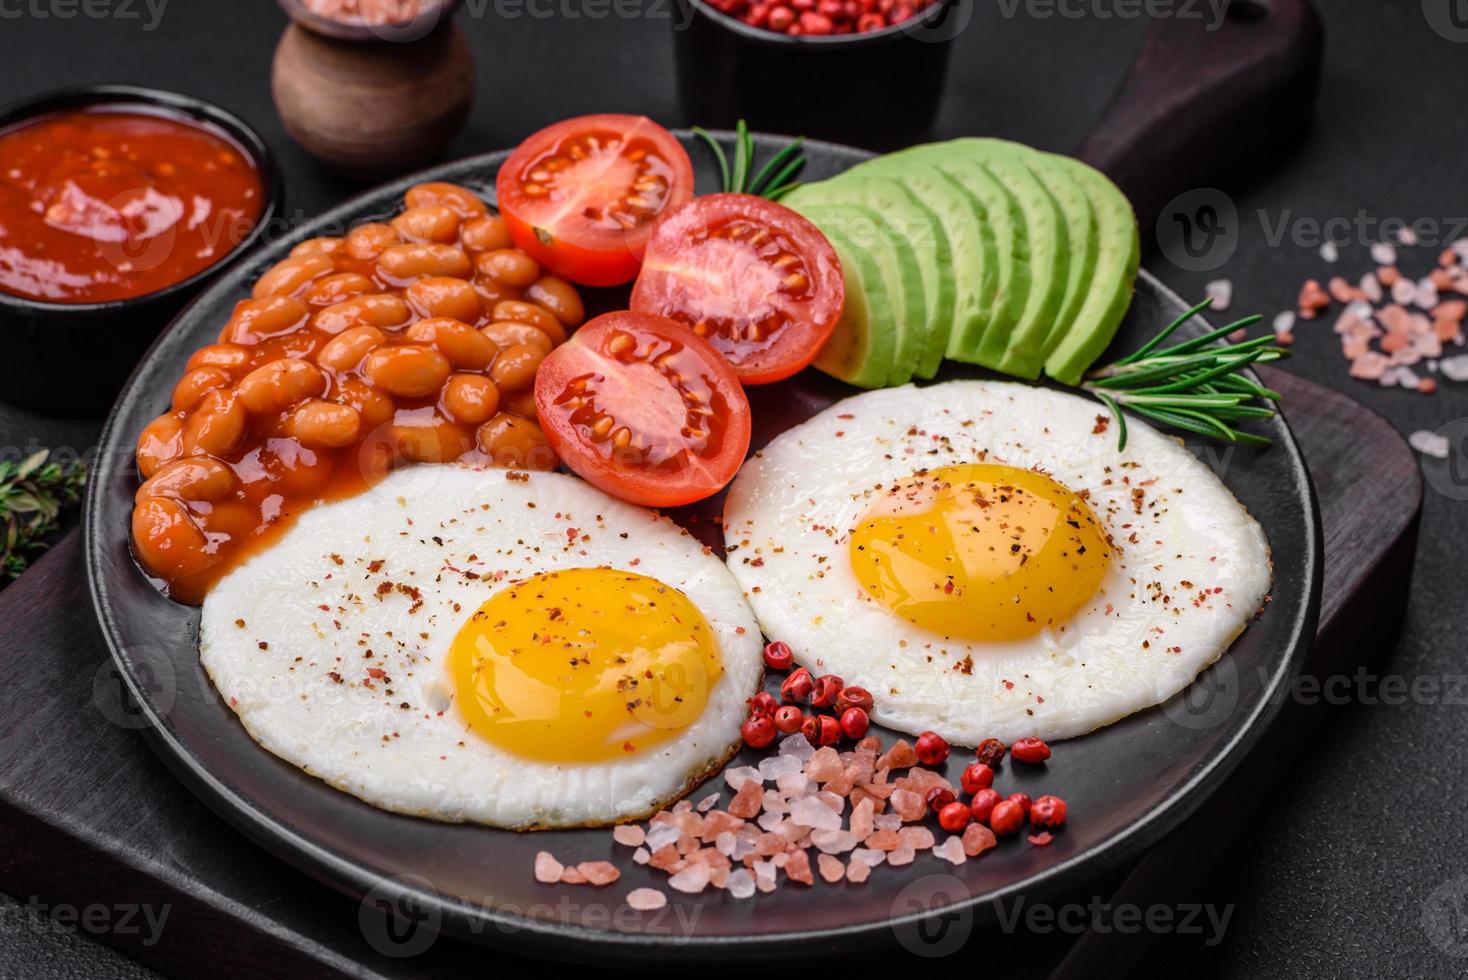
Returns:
(718,876)
(843,783)
(872,744)
(901,856)
(719,822)
(868,855)
(917,838)
(691,880)
(773,802)
(665,858)
(646,899)
(951,850)
(977,839)
(797,868)
(900,756)
(769,821)
(857,872)
(739,775)
(1369,366)
(629,834)
(707,803)
(771,768)
(686,844)
(746,802)
(833,841)
(830,867)
(725,842)
(884,840)
(808,811)
(887,821)
(923,781)
(908,805)
(764,876)
(547,868)
(824,764)
(769,844)
(641,856)
(743,848)
(863,819)
(661,836)
(682,806)
(797,745)
(836,803)
(793,785)
(599,872)
(572,876)
(740,883)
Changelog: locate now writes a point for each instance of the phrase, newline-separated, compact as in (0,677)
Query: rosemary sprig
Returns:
(32,493)
(1196,386)
(772,180)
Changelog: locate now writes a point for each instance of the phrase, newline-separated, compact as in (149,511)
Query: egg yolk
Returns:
(583,665)
(980,552)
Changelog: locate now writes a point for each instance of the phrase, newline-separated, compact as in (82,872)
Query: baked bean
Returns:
(346,350)
(461,199)
(324,425)
(485,234)
(335,288)
(537,316)
(227,357)
(190,478)
(367,242)
(514,370)
(216,426)
(509,440)
(510,333)
(522,404)
(167,540)
(276,386)
(471,398)
(435,440)
(373,406)
(256,319)
(192,386)
(404,263)
(558,296)
(298,470)
(427,223)
(288,276)
(160,441)
(237,519)
(441,296)
(508,267)
(384,310)
(464,346)
(407,370)
(319,246)
(491,292)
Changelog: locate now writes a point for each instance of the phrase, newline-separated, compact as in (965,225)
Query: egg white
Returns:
(1154,624)
(448,538)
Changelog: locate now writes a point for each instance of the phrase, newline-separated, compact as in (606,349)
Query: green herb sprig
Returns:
(772,180)
(1197,386)
(32,494)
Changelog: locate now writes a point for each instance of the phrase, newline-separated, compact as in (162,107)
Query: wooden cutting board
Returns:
(88,815)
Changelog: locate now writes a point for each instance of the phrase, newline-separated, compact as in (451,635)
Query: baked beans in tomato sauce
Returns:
(409,341)
(102,204)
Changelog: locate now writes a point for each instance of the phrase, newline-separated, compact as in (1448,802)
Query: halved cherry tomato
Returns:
(644,410)
(754,278)
(581,196)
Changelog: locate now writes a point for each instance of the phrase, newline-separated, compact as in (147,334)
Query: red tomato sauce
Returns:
(105,204)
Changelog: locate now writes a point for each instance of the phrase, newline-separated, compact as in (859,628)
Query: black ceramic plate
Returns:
(1127,785)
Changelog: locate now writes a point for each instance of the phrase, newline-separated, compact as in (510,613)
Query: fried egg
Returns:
(514,649)
(981,558)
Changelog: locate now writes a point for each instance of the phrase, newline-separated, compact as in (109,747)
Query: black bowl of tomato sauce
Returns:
(117,204)
(878,89)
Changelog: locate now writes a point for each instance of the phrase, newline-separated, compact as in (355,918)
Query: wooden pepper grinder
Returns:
(373,101)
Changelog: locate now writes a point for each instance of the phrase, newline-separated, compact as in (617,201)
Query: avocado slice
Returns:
(860,348)
(1021,353)
(866,230)
(971,240)
(1113,278)
(914,222)
(1082,240)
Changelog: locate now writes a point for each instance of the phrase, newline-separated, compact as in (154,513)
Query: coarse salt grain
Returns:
(797,745)
(629,834)
(646,899)
(831,868)
(547,868)
(641,856)
(707,803)
(1330,252)
(661,836)
(951,850)
(691,880)
(771,768)
(808,811)
(1430,444)
(1284,322)
(739,775)
(1454,368)
(1221,291)
(740,883)
(1384,253)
